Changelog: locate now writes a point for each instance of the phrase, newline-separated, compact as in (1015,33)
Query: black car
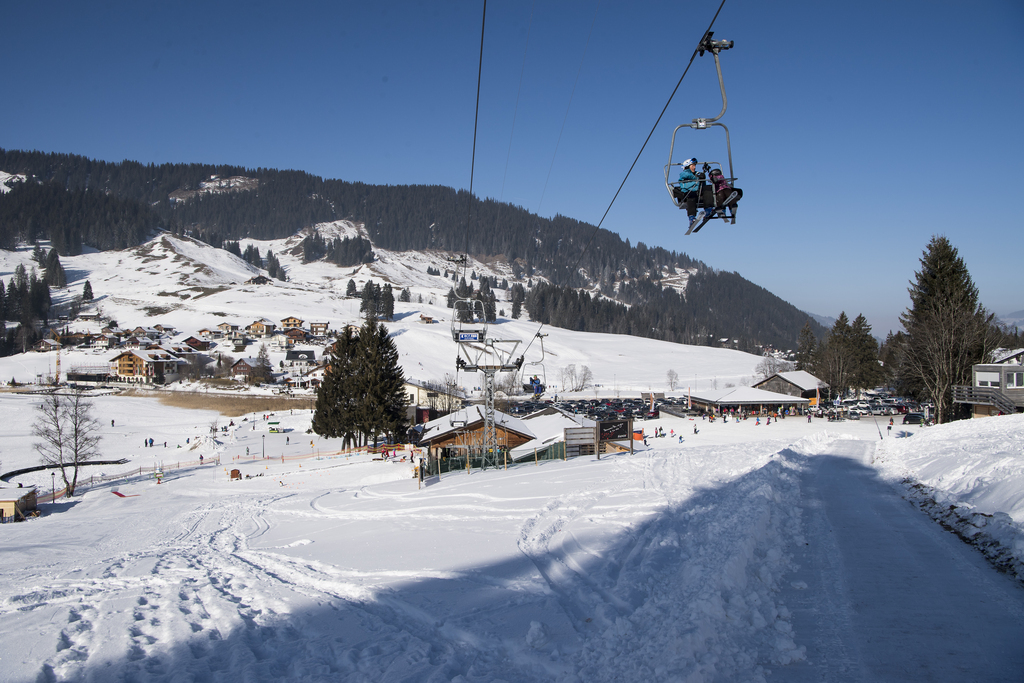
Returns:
(913,419)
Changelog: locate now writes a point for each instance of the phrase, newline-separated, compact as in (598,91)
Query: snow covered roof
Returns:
(1005,356)
(465,417)
(744,396)
(549,426)
(800,378)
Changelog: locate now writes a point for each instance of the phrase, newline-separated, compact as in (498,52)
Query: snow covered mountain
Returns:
(188,285)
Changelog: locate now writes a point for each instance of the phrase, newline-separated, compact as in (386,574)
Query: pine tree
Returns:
(87,292)
(806,349)
(350,289)
(386,309)
(867,373)
(382,404)
(835,358)
(334,414)
(947,328)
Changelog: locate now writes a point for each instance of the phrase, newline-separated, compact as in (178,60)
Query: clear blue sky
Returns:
(859,130)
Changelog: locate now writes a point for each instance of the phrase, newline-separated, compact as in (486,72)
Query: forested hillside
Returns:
(73,201)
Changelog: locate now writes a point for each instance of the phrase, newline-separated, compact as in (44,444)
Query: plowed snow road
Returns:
(883,593)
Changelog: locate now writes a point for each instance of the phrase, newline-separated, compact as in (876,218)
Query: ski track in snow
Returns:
(719,563)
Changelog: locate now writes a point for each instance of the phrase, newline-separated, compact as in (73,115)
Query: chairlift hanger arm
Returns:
(714,47)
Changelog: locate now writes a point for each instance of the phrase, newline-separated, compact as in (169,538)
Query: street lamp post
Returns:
(53,486)
(264,446)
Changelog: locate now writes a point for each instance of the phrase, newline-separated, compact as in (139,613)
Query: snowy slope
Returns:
(189,285)
(671,564)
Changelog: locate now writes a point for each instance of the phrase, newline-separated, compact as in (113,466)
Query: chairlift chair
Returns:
(714,47)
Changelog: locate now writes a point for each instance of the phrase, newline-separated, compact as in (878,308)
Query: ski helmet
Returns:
(690,162)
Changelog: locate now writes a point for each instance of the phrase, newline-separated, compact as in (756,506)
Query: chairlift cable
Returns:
(472,164)
(642,147)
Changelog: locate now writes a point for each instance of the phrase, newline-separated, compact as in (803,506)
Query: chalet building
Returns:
(244,367)
(311,379)
(44,345)
(165,330)
(422,394)
(207,334)
(319,329)
(179,350)
(291,322)
(797,383)
(227,328)
(280,342)
(196,344)
(145,366)
(147,332)
(296,334)
(452,434)
(300,361)
(138,343)
(748,400)
(104,341)
(258,280)
(996,388)
(261,328)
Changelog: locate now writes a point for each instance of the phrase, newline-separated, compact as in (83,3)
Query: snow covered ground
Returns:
(745,553)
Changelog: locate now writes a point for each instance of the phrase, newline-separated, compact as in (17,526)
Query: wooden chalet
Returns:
(296,334)
(291,322)
(453,434)
(261,328)
(197,344)
(795,383)
(145,366)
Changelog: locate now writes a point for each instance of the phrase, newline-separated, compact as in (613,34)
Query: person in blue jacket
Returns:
(688,183)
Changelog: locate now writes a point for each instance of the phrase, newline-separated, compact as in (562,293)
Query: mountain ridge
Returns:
(218,203)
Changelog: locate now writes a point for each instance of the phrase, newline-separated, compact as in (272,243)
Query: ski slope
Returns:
(744,553)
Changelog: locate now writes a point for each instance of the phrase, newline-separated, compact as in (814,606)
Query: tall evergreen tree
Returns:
(806,349)
(335,413)
(867,373)
(382,398)
(947,328)
(836,359)
(87,292)
(386,309)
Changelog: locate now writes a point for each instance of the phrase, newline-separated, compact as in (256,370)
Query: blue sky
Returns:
(859,130)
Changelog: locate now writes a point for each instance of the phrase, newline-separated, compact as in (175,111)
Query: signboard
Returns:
(613,430)
(469,336)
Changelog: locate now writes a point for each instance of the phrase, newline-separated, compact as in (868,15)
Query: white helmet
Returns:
(690,162)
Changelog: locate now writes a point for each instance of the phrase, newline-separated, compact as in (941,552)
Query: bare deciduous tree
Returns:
(673,380)
(67,434)
(445,397)
(573,380)
(769,365)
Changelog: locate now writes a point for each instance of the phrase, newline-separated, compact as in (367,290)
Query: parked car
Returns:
(913,419)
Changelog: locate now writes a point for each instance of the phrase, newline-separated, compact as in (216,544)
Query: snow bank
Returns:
(969,476)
